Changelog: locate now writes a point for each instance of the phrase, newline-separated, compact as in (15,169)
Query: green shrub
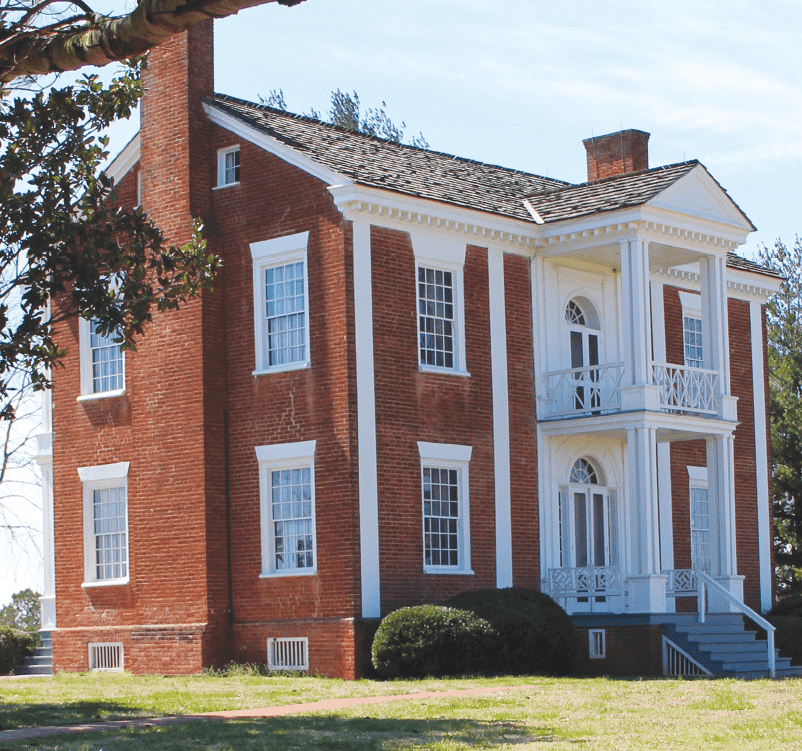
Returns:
(431,640)
(15,646)
(788,605)
(788,636)
(535,635)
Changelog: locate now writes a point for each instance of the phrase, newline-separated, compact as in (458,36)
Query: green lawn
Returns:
(561,713)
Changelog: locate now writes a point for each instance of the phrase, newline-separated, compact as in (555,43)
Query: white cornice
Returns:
(383,208)
(273,146)
(742,285)
(124,161)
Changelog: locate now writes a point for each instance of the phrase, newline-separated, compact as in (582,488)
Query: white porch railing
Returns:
(589,582)
(689,582)
(588,390)
(686,389)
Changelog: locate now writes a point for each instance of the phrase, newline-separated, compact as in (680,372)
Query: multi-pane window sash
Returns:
(441,517)
(692,333)
(292,518)
(436,317)
(111,536)
(285,301)
(107,361)
(231,167)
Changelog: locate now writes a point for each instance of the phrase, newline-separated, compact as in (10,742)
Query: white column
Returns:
(366,424)
(721,495)
(44,457)
(501,417)
(761,455)
(715,329)
(638,394)
(663,449)
(647,584)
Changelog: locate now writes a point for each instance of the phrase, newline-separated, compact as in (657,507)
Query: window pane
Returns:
(441,515)
(111,542)
(436,316)
(285,314)
(107,361)
(292,519)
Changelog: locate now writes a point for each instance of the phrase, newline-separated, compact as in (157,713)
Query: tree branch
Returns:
(26,52)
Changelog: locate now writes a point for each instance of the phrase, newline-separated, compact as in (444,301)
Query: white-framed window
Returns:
(105,507)
(287,508)
(440,304)
(446,508)
(692,329)
(700,518)
(102,363)
(228,166)
(597,643)
(281,303)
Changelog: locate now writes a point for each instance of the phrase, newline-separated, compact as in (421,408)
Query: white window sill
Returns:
(227,185)
(106,583)
(100,395)
(448,571)
(283,368)
(443,371)
(288,572)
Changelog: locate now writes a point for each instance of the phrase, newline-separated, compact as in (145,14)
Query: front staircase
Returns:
(720,646)
(41,661)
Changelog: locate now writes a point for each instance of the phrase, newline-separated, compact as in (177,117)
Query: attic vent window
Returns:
(228,167)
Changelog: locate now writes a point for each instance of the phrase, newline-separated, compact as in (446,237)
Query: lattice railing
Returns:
(585,582)
(686,389)
(589,390)
(682,582)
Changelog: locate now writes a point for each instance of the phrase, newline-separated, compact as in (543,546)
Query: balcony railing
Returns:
(686,389)
(594,389)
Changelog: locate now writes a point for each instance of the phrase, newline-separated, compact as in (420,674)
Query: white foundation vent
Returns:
(106,656)
(288,654)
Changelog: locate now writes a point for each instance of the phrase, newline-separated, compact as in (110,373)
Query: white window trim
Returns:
(221,167)
(442,254)
(85,353)
(283,456)
(96,478)
(450,456)
(277,252)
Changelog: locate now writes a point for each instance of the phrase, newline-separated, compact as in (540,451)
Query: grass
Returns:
(555,713)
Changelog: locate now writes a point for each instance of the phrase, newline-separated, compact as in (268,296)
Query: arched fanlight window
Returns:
(574,314)
(584,473)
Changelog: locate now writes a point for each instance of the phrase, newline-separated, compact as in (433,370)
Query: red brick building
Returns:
(416,375)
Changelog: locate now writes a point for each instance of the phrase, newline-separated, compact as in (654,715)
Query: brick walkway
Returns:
(279,711)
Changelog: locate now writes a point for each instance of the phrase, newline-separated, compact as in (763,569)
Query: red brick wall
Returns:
(523,441)
(413,406)
(630,651)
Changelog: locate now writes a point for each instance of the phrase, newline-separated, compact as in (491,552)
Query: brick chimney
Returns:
(617,154)
(175,132)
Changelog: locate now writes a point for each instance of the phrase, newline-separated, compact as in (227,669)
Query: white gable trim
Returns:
(122,164)
(678,196)
(273,146)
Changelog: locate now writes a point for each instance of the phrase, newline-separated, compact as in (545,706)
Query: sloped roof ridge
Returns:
(367,136)
(614,178)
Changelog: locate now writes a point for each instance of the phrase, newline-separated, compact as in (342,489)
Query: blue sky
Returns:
(522,83)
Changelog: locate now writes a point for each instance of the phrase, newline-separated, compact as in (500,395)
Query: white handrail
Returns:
(703,580)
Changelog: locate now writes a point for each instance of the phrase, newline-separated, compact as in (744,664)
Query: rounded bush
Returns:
(788,605)
(15,646)
(431,640)
(788,636)
(534,634)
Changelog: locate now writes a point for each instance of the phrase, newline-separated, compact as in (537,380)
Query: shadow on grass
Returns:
(298,732)
(14,716)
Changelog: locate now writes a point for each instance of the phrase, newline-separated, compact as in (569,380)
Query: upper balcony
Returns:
(597,390)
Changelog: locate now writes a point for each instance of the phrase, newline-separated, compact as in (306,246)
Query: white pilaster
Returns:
(715,328)
(637,314)
(761,455)
(501,417)
(44,457)
(366,424)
